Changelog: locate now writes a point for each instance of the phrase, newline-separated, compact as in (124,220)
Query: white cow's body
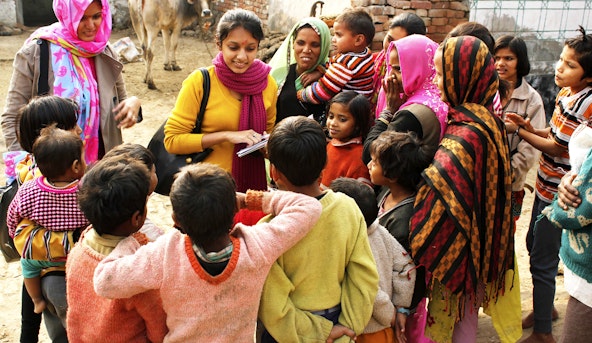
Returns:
(169,17)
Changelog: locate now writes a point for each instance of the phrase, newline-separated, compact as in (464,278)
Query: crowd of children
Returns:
(392,231)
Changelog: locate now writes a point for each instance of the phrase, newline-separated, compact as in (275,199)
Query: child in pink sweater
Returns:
(209,274)
(113,197)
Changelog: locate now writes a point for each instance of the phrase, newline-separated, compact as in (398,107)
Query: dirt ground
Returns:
(192,54)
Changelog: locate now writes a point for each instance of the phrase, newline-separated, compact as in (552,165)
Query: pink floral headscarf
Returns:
(71,59)
(416,58)
(69,13)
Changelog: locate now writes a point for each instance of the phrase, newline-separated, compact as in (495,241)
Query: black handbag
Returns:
(7,193)
(167,164)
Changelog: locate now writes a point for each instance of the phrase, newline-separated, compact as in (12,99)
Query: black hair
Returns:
(55,151)
(358,106)
(239,18)
(582,45)
(411,22)
(135,151)
(402,156)
(362,194)
(518,47)
(112,191)
(358,21)
(42,111)
(203,196)
(298,149)
(474,29)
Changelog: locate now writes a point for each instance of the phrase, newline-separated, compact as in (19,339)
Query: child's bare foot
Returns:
(40,305)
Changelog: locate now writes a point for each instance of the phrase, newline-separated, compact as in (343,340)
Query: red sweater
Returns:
(345,160)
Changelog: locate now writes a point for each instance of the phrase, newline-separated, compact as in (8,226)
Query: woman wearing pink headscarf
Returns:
(81,66)
(409,100)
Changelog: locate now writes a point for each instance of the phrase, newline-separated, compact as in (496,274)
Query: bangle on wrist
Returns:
(403,310)
(386,114)
(517,131)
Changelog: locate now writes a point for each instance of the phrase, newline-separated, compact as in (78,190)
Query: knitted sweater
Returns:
(332,265)
(201,307)
(570,111)
(91,318)
(348,71)
(53,208)
(345,160)
(397,277)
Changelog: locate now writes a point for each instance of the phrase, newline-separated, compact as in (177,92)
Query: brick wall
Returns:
(258,6)
(440,16)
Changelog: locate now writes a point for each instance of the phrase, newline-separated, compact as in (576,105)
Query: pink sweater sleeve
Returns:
(293,216)
(131,269)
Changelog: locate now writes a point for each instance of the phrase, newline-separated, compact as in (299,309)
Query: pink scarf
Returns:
(416,58)
(248,171)
(74,76)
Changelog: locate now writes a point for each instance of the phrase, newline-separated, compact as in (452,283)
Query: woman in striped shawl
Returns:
(462,229)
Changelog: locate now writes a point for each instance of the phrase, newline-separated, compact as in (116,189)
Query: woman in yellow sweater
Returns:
(241,106)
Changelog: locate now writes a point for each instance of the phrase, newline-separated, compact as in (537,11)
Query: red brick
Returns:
(422,13)
(439,21)
(375,10)
(459,6)
(421,4)
(399,4)
(437,5)
(438,13)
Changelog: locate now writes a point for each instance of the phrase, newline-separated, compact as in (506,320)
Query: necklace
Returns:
(55,183)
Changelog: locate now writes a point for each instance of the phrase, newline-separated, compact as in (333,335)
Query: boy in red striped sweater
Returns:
(352,67)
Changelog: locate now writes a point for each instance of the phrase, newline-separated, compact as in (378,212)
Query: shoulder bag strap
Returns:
(43,82)
(204,100)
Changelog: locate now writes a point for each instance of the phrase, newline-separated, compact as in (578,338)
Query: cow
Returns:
(169,17)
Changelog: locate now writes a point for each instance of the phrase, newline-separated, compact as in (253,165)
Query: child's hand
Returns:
(340,330)
(310,77)
(400,321)
(521,122)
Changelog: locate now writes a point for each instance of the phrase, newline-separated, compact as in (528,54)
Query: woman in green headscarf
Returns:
(304,51)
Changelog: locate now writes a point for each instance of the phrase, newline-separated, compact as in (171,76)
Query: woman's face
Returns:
(439,79)
(239,50)
(307,48)
(506,64)
(90,22)
(393,34)
(395,65)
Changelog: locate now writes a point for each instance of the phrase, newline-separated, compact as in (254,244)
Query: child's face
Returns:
(345,40)
(569,72)
(375,169)
(506,64)
(340,122)
(82,164)
(239,50)
(439,79)
(153,180)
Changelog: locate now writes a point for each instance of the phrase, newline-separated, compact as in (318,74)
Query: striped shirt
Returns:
(56,209)
(570,111)
(348,71)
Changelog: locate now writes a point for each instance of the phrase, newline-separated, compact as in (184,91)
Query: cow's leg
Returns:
(166,38)
(174,42)
(151,34)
